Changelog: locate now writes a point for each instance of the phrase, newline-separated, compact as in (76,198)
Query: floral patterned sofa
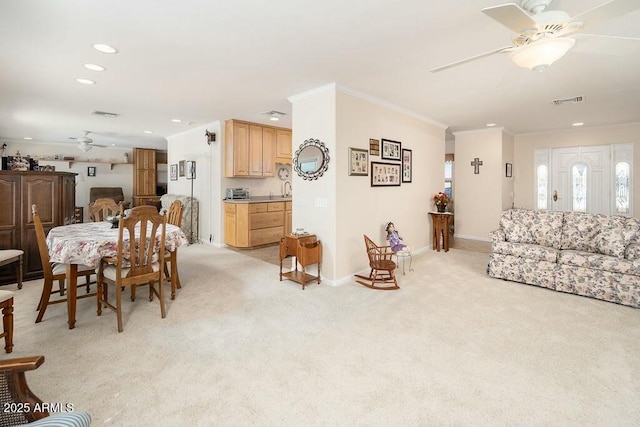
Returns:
(189,205)
(586,254)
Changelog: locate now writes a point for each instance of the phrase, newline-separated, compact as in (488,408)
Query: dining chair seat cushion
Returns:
(110,270)
(69,419)
(6,254)
(60,268)
(5,295)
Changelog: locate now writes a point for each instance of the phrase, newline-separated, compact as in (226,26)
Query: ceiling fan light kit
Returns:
(539,55)
(543,36)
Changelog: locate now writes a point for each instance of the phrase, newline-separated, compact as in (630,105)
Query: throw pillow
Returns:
(516,232)
(613,241)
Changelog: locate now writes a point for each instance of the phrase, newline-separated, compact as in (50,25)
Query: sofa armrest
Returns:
(497,236)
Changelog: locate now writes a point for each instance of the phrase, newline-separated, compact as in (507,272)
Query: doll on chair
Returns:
(395,241)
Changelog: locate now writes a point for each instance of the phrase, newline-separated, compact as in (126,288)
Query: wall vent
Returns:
(574,100)
(105,114)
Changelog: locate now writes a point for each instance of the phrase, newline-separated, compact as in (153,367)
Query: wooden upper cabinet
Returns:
(145,176)
(145,158)
(250,149)
(283,146)
(268,151)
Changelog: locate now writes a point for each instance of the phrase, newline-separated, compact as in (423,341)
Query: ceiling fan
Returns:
(85,143)
(543,35)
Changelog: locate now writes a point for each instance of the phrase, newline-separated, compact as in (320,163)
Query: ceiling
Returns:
(206,60)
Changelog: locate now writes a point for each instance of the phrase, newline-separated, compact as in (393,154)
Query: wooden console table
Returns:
(441,224)
(307,250)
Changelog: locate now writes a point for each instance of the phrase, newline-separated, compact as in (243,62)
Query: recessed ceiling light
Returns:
(577,124)
(105,48)
(489,125)
(27,137)
(86,81)
(94,67)
(147,131)
(176,120)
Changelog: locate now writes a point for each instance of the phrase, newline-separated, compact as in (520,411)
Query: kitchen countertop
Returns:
(260,199)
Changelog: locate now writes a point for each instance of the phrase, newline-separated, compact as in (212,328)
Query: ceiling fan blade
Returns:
(606,11)
(472,58)
(511,16)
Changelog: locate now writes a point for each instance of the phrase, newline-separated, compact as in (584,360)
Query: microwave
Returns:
(237,193)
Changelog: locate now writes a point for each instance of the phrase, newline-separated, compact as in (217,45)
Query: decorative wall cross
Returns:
(476,165)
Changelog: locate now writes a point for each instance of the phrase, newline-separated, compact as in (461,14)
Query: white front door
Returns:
(580,179)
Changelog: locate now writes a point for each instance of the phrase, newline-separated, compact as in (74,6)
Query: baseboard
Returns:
(464,236)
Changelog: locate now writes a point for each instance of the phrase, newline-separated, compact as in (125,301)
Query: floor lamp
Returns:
(191,175)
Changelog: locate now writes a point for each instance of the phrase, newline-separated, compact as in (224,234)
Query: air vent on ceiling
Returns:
(574,100)
(274,113)
(105,114)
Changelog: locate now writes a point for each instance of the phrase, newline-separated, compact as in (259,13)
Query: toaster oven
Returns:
(237,193)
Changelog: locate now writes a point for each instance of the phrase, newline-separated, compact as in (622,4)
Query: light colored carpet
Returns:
(241,348)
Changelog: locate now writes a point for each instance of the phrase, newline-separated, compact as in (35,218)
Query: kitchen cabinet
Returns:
(253,224)
(283,146)
(288,217)
(145,175)
(55,196)
(250,149)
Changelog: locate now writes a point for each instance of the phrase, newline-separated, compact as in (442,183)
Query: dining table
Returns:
(88,243)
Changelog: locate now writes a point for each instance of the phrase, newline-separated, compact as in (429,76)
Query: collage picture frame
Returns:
(391,150)
(385,174)
(358,162)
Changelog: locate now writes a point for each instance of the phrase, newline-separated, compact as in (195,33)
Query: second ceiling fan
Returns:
(543,35)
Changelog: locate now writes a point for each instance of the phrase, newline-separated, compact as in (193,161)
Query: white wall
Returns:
(526,144)
(340,208)
(119,176)
(478,198)
(192,145)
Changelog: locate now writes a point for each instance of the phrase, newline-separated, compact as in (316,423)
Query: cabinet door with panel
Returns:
(237,148)
(268,151)
(283,146)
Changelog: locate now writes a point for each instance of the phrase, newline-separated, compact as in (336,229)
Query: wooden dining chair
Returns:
(102,208)
(22,406)
(6,304)
(143,225)
(54,271)
(382,274)
(13,256)
(174,218)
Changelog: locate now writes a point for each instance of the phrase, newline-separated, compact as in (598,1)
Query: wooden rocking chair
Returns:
(382,267)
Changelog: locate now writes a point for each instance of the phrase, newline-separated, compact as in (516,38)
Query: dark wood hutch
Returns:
(55,195)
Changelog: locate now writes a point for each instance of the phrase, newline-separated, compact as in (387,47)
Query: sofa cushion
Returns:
(599,262)
(547,228)
(526,250)
(579,231)
(516,232)
(613,241)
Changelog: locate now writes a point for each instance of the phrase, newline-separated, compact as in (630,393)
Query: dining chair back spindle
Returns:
(139,260)
(54,271)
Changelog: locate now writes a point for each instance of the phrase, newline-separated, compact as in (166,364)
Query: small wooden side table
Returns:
(441,223)
(307,250)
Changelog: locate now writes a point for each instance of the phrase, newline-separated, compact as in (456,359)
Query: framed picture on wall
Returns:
(508,170)
(91,171)
(173,172)
(358,162)
(391,150)
(407,159)
(385,174)
(374,147)
(181,168)
(191,170)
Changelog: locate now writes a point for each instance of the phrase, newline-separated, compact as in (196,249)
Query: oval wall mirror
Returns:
(311,160)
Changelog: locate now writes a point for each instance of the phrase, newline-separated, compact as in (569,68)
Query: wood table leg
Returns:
(72,293)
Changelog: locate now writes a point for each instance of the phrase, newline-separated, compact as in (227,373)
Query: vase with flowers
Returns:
(441,200)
